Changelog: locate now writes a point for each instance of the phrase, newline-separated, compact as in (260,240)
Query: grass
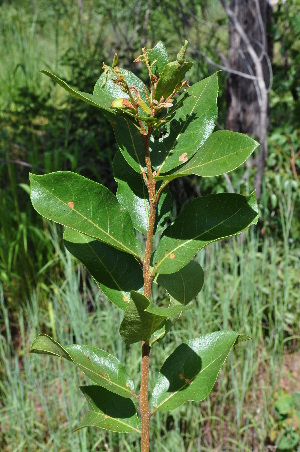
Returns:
(250,286)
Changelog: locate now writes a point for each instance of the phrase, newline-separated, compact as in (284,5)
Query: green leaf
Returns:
(288,441)
(222,152)
(117,273)
(83,205)
(130,143)
(109,411)
(202,221)
(101,99)
(185,284)
(142,318)
(106,83)
(98,365)
(190,372)
(162,332)
(132,194)
(189,128)
(173,73)
(160,54)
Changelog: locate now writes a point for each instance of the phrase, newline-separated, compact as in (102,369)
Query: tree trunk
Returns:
(249,50)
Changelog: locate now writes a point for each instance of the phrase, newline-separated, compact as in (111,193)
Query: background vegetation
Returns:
(252,290)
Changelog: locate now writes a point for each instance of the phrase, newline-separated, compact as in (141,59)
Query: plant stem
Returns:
(144,403)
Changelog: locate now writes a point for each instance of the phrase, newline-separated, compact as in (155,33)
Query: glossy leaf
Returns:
(185,284)
(132,194)
(102,99)
(172,74)
(222,152)
(142,318)
(130,143)
(109,411)
(106,83)
(98,365)
(117,273)
(160,54)
(202,221)
(85,206)
(189,127)
(162,332)
(190,372)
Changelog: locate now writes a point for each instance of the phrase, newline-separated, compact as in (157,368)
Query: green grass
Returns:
(250,286)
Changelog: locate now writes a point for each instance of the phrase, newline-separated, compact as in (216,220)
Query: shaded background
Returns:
(251,283)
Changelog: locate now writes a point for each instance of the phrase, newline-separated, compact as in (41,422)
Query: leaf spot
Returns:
(172,256)
(124,298)
(127,384)
(181,377)
(183,158)
(71,204)
(105,417)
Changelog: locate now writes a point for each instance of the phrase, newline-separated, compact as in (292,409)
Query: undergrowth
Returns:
(258,287)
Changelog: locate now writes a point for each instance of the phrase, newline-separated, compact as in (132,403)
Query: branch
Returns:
(230,187)
(224,68)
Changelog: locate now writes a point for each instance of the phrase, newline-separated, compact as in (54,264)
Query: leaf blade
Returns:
(160,54)
(98,365)
(106,83)
(100,100)
(86,206)
(116,272)
(211,160)
(137,324)
(190,372)
(172,74)
(189,127)
(109,411)
(185,284)
(214,218)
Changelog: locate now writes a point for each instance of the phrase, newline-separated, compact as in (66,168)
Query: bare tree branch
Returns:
(224,68)
(263,91)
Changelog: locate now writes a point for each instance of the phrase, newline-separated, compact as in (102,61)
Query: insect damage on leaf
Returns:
(122,103)
(183,158)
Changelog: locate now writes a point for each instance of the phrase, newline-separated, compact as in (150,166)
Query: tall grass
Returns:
(250,287)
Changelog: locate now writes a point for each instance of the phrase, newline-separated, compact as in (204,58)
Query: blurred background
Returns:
(251,283)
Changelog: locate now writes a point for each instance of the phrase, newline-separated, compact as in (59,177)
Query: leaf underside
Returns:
(109,411)
(142,318)
(116,272)
(185,284)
